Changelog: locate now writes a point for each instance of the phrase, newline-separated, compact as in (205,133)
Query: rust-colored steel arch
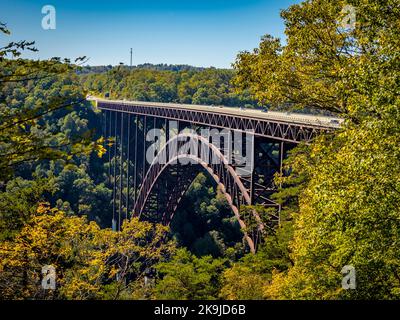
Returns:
(202,153)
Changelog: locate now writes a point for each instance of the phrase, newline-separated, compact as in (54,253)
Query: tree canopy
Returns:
(339,194)
(348,212)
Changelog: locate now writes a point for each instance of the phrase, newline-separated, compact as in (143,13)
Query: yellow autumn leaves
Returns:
(86,257)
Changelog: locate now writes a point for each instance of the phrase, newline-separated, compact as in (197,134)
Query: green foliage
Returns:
(48,132)
(204,222)
(18,202)
(346,184)
(91,263)
(48,135)
(187,277)
(348,216)
(31,94)
(241,282)
(339,195)
(247,278)
(203,86)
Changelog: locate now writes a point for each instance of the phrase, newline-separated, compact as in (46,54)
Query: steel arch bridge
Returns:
(150,176)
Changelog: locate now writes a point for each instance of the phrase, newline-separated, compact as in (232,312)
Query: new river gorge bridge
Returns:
(157,149)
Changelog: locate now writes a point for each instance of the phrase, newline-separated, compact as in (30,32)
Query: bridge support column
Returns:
(252,159)
(135,162)
(114,221)
(144,148)
(281,157)
(110,113)
(128,160)
(121,170)
(104,128)
(166,133)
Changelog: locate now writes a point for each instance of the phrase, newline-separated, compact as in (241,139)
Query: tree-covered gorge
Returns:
(193,86)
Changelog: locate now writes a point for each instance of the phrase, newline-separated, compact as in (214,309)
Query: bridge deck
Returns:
(290,117)
(290,127)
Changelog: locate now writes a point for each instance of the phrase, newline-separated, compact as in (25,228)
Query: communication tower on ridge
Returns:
(131,59)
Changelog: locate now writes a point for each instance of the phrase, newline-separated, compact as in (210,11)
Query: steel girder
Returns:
(278,130)
(158,188)
(167,166)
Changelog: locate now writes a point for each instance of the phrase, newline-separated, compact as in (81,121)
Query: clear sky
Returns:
(196,32)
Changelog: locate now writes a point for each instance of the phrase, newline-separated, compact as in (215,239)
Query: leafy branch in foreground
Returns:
(25,113)
(346,210)
(90,263)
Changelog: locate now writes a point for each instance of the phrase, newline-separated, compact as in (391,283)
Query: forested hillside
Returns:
(168,84)
(54,180)
(149,66)
(340,194)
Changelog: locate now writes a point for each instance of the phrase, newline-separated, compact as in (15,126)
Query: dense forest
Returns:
(181,84)
(340,193)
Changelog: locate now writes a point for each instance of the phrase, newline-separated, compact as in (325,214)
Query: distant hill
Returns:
(148,66)
(166,83)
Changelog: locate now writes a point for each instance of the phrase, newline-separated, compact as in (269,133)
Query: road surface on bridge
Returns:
(288,117)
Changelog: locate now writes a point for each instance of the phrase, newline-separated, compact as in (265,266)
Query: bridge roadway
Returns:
(289,117)
(282,126)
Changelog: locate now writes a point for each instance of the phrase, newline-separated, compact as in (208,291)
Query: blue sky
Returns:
(196,32)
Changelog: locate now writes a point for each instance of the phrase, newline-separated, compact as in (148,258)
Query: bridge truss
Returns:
(152,191)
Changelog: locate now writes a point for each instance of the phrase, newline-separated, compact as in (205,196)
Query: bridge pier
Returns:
(135,161)
(114,221)
(128,163)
